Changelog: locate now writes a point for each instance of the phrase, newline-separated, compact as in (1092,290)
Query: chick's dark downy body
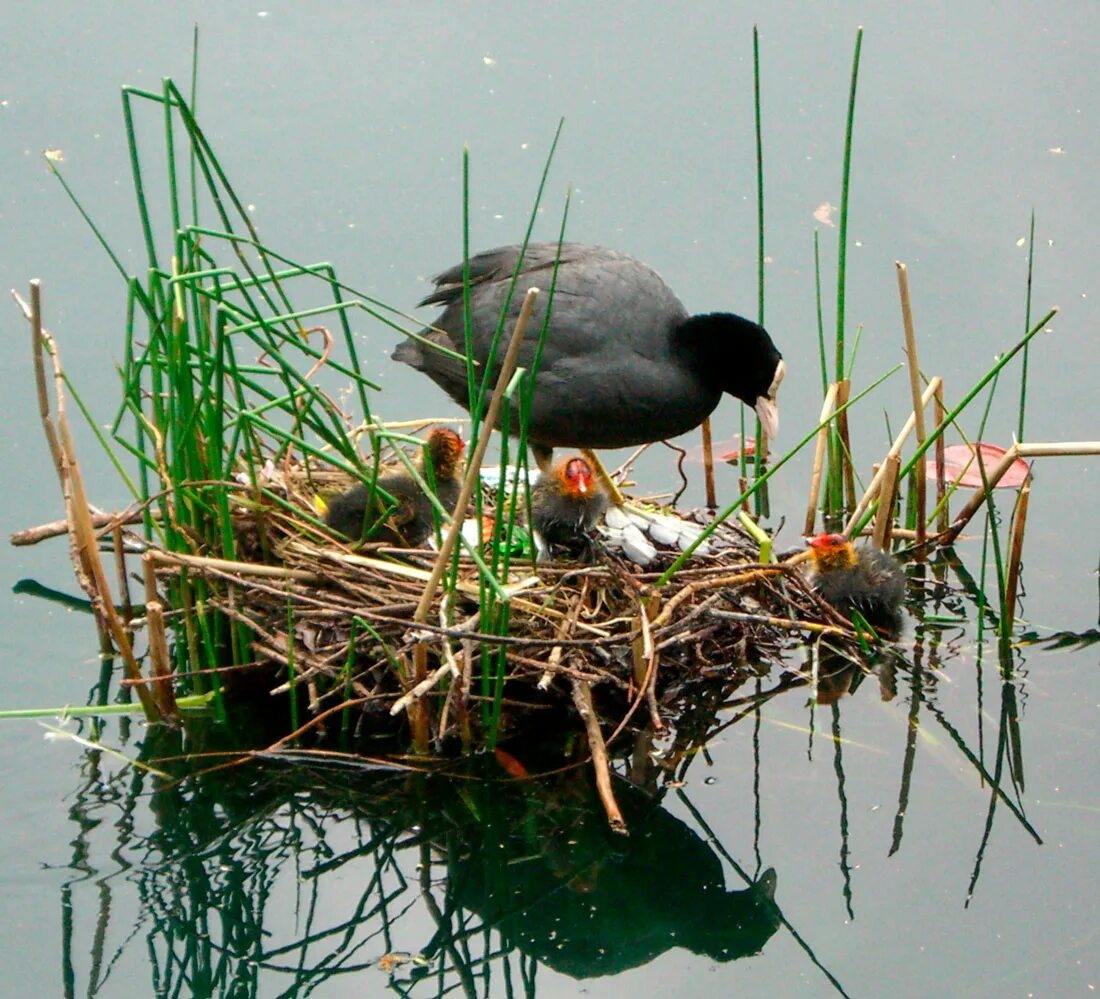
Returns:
(410,523)
(623,363)
(861,579)
(566,504)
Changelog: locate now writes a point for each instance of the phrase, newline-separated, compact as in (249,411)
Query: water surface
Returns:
(895,869)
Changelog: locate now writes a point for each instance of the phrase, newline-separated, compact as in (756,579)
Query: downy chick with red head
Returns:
(566,503)
(858,579)
(410,524)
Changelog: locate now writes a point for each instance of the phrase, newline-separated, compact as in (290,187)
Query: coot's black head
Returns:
(737,356)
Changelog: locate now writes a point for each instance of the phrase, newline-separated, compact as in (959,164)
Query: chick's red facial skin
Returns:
(832,552)
(577,476)
(827,541)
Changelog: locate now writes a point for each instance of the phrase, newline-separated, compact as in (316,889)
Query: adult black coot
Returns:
(566,503)
(623,363)
(858,579)
(410,523)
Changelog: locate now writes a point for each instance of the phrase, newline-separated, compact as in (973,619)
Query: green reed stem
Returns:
(1027,325)
(842,249)
(664,578)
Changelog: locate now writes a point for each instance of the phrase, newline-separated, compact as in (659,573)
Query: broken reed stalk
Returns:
(914,385)
(157,638)
(582,700)
(84,545)
(473,472)
(123,581)
(708,467)
(843,391)
(1012,581)
(819,458)
(1064,449)
(1040,450)
(895,450)
(941,467)
(56,528)
(888,494)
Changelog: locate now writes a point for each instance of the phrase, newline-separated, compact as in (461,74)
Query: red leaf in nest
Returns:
(960,465)
(510,764)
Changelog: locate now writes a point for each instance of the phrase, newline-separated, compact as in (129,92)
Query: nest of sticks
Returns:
(342,627)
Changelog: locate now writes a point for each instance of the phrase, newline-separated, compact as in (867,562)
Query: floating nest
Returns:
(338,627)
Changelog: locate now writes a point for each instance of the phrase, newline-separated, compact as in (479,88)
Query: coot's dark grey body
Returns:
(623,363)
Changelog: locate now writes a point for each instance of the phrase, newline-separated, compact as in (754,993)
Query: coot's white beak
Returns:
(768,412)
(766,407)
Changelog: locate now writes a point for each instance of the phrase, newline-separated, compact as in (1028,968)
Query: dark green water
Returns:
(945,842)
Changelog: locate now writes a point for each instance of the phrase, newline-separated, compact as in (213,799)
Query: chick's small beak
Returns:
(766,407)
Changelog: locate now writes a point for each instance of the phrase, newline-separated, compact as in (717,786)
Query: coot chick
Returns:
(566,502)
(410,523)
(858,579)
(623,363)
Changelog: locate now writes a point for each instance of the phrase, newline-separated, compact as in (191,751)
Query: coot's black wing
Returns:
(608,374)
(498,265)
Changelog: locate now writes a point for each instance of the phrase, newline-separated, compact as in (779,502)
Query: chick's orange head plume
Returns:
(576,477)
(445,448)
(832,551)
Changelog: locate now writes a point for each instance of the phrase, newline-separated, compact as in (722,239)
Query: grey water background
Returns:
(343,125)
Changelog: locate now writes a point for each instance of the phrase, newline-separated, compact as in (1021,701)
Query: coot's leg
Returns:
(543,456)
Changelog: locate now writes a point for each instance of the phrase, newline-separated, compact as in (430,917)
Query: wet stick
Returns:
(582,699)
(914,384)
(708,466)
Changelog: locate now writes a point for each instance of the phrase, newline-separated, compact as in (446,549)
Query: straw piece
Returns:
(888,495)
(843,390)
(819,459)
(914,385)
(1012,582)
